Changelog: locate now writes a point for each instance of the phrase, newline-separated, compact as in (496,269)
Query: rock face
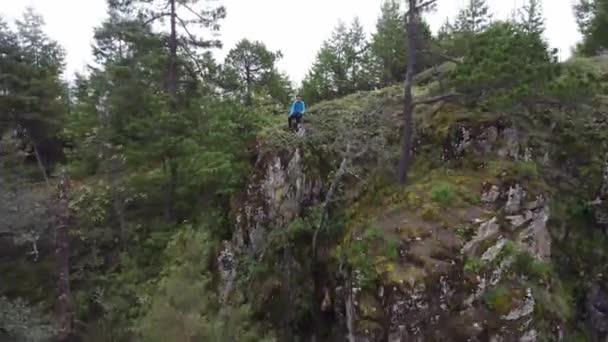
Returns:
(276,195)
(596,307)
(473,272)
(449,301)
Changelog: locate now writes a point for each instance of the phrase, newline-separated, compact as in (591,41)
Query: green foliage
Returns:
(21,322)
(250,70)
(533,268)
(32,94)
(525,169)
(592,18)
(183,308)
(531,17)
(392,249)
(473,265)
(499,299)
(388,43)
(443,193)
(489,69)
(342,65)
(475,17)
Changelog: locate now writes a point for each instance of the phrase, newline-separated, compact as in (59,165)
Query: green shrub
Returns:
(392,249)
(525,169)
(443,193)
(473,265)
(535,269)
(498,299)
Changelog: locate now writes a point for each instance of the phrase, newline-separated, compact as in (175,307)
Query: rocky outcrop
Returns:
(596,307)
(449,301)
(277,193)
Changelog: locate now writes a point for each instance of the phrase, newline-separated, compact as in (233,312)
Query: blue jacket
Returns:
(297,107)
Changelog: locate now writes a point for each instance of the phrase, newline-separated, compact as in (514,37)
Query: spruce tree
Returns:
(475,17)
(592,18)
(531,17)
(388,43)
(250,67)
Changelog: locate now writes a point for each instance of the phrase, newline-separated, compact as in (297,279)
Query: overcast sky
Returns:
(296,27)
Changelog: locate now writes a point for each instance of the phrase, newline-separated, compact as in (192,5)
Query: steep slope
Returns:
(498,236)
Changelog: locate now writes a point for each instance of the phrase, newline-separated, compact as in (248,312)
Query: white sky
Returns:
(296,27)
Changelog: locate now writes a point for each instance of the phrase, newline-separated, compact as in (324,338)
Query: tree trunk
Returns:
(172,72)
(62,255)
(408,104)
(118,199)
(170,189)
(172,89)
(248,100)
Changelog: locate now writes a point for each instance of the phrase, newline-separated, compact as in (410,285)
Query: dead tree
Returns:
(62,255)
(413,16)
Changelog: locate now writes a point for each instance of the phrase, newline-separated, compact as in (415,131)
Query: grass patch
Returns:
(499,299)
(535,269)
(444,193)
(473,265)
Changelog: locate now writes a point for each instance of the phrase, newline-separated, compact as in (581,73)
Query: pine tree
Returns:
(251,67)
(388,43)
(32,92)
(342,65)
(475,17)
(592,18)
(181,44)
(531,17)
(415,7)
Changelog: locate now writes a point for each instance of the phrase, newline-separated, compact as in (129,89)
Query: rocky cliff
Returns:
(497,237)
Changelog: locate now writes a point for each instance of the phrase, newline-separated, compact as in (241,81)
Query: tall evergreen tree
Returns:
(251,67)
(184,17)
(531,17)
(474,17)
(388,43)
(415,7)
(343,65)
(33,93)
(592,19)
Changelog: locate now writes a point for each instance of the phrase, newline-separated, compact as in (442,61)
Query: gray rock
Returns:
(597,313)
(526,309)
(486,230)
(491,195)
(529,336)
(492,252)
(512,142)
(515,197)
(487,139)
(535,239)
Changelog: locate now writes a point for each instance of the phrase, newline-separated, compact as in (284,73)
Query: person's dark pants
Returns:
(297,117)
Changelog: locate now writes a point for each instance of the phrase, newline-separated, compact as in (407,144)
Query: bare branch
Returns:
(192,57)
(422,6)
(328,198)
(434,99)
(183,24)
(156,17)
(206,21)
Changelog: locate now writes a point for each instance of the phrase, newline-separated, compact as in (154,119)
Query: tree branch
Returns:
(198,15)
(156,17)
(438,54)
(192,57)
(434,99)
(328,198)
(421,6)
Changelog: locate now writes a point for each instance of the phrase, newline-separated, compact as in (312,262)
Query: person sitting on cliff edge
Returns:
(298,108)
